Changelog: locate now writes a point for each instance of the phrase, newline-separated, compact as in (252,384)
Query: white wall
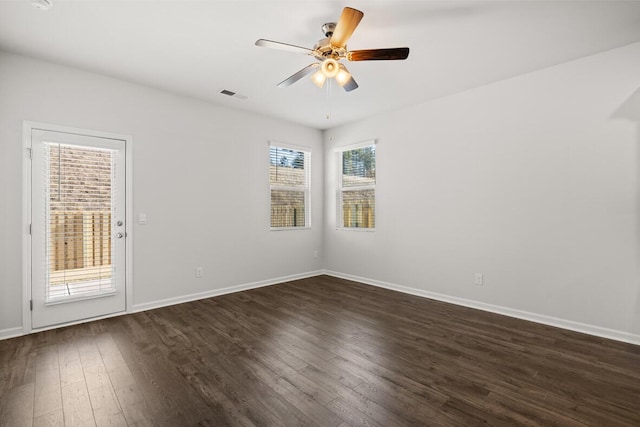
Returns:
(187,156)
(532,181)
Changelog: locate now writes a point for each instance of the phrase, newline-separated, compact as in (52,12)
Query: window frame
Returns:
(306,189)
(340,189)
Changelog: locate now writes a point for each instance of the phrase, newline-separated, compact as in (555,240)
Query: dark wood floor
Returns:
(320,351)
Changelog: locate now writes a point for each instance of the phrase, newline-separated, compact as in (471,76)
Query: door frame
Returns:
(27,128)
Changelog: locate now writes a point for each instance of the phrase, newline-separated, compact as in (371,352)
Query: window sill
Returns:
(289,228)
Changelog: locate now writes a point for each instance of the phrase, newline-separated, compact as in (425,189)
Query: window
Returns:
(289,176)
(357,187)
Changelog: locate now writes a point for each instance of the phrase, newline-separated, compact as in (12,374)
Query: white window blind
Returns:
(357,187)
(289,176)
(78,207)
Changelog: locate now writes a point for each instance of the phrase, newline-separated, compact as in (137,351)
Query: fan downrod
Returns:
(328,29)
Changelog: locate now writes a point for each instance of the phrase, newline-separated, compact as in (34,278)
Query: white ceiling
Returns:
(197,48)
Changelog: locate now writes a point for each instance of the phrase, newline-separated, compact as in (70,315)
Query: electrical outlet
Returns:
(315,254)
(479,279)
(199,272)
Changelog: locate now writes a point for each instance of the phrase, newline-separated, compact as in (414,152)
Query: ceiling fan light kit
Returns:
(332,49)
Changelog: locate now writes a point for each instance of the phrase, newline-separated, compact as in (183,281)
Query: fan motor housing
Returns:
(323,49)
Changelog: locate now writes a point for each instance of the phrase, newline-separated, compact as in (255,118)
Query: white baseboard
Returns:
(10,333)
(525,315)
(15,332)
(216,292)
(519,314)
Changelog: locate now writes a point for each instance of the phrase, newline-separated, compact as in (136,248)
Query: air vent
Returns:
(232,94)
(42,4)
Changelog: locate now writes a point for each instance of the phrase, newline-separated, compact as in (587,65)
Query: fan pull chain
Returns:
(328,99)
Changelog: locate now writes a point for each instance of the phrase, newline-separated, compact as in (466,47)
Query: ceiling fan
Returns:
(332,49)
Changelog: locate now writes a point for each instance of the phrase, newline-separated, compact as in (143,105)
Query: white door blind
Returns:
(357,182)
(78,216)
(289,176)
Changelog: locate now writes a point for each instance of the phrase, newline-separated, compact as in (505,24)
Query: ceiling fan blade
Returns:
(350,85)
(300,74)
(378,54)
(283,46)
(347,24)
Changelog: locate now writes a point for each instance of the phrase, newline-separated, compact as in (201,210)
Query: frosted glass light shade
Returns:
(330,68)
(318,78)
(342,76)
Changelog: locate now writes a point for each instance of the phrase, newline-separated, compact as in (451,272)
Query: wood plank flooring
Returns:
(320,351)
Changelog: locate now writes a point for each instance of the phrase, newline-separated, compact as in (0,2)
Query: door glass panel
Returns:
(78,216)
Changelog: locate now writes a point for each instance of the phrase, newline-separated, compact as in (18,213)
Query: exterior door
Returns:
(77,227)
